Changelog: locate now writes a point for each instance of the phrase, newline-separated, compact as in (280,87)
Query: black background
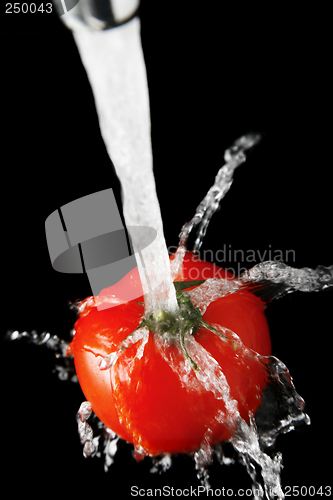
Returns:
(214,73)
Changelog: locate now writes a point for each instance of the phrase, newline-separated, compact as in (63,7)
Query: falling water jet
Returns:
(116,70)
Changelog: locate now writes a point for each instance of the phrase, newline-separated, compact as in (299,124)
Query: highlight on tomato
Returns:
(173,382)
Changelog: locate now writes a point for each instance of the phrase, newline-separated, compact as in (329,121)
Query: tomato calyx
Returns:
(175,325)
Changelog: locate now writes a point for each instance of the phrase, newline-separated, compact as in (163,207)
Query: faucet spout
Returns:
(95,15)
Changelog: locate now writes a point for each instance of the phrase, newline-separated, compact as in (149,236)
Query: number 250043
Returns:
(25,8)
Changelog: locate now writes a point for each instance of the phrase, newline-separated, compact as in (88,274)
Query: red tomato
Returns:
(152,396)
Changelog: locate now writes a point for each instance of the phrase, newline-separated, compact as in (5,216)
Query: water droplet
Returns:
(161,464)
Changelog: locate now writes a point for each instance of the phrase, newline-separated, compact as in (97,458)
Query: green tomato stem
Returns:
(187,319)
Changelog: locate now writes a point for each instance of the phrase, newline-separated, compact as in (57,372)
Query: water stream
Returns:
(116,70)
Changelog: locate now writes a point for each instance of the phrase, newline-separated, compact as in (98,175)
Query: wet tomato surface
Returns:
(151,395)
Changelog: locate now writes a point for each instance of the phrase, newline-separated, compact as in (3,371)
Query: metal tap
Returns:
(92,15)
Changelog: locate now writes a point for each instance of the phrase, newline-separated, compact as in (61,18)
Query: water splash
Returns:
(268,280)
(161,464)
(234,157)
(64,366)
(105,440)
(203,459)
(246,442)
(282,408)
(85,430)
(281,411)
(272,279)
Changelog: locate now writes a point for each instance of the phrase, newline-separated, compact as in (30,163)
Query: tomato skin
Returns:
(148,396)
(163,416)
(242,312)
(93,338)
